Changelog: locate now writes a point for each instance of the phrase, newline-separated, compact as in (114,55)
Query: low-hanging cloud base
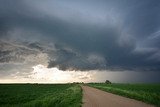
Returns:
(83,36)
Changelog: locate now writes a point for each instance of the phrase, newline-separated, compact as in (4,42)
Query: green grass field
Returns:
(149,93)
(40,95)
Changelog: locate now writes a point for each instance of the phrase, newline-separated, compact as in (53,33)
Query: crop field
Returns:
(149,93)
(40,95)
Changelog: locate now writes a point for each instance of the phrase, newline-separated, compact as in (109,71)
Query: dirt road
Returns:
(96,98)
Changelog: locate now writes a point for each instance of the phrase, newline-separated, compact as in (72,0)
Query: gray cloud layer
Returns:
(86,35)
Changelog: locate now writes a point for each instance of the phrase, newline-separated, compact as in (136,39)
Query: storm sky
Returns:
(87,40)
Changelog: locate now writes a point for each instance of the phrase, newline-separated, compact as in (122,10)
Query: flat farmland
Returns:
(149,93)
(40,95)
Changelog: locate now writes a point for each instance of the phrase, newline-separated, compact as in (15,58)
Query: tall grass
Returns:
(40,95)
(149,93)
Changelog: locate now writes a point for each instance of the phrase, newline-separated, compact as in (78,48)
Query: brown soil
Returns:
(96,98)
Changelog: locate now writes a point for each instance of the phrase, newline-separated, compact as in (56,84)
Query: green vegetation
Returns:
(40,95)
(149,93)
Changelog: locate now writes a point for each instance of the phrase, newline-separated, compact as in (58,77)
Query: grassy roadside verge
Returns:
(149,93)
(40,95)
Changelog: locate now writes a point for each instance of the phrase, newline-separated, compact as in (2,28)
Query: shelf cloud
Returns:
(80,35)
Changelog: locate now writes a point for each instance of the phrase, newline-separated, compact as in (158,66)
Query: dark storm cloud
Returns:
(87,34)
(66,59)
(17,53)
(19,58)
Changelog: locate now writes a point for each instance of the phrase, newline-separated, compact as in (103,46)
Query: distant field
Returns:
(149,93)
(40,95)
